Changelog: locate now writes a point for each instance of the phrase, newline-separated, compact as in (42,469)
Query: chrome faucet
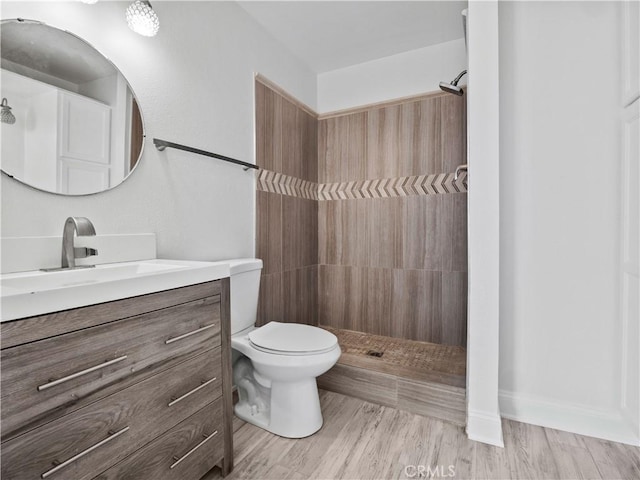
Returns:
(82,227)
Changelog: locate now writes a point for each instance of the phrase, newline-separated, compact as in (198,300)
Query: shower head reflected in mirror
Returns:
(453,86)
(5,115)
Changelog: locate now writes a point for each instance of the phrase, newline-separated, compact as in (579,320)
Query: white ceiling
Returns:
(52,52)
(328,35)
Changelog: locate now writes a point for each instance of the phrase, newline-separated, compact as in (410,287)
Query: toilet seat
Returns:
(292,339)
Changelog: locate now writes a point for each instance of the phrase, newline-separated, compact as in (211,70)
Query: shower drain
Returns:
(373,353)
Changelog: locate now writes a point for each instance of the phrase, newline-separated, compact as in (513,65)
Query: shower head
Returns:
(5,113)
(453,86)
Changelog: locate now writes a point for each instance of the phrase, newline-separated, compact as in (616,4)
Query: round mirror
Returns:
(70,121)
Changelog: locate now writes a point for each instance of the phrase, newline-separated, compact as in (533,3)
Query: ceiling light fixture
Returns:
(89,2)
(5,115)
(142,19)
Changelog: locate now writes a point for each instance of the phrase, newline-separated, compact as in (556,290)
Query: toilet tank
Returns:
(245,286)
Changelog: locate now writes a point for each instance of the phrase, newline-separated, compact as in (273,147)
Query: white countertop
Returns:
(27,294)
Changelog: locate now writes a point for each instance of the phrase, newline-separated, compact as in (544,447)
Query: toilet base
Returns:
(294,410)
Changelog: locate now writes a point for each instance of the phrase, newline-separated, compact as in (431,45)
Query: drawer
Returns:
(186,452)
(17,332)
(44,380)
(87,442)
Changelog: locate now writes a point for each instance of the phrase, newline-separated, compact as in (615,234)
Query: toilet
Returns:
(275,366)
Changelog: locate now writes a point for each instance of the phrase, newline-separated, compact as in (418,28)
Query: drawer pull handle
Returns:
(179,399)
(112,436)
(175,339)
(53,383)
(207,438)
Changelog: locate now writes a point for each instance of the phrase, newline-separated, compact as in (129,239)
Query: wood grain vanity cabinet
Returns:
(138,388)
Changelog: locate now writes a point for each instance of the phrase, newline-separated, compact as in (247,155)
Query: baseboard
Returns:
(485,428)
(608,425)
(632,420)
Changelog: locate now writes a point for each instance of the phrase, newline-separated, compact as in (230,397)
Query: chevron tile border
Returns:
(393,187)
(436,184)
(273,182)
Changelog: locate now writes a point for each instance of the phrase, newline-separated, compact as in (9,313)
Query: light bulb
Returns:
(142,19)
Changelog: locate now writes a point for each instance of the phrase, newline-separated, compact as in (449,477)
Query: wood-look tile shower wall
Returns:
(395,265)
(286,226)
(391,263)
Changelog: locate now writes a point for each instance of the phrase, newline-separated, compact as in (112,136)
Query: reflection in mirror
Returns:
(78,128)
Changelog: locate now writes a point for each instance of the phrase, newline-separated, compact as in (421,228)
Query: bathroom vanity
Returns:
(116,366)
(132,388)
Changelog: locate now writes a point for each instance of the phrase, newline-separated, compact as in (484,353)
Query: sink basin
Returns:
(38,280)
(36,293)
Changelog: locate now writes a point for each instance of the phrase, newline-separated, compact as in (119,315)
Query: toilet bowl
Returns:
(275,366)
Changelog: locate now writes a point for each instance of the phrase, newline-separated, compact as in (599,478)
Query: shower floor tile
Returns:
(408,359)
(419,377)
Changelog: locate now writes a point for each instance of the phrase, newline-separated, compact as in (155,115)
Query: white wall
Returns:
(41,140)
(29,145)
(103,89)
(559,211)
(405,74)
(12,137)
(195,84)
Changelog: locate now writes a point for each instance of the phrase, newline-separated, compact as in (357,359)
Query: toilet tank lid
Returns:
(239,265)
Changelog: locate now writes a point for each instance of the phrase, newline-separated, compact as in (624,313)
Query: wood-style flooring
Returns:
(361,440)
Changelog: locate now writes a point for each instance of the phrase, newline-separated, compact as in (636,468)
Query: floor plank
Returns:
(354,433)
(237,423)
(247,439)
(361,440)
(529,451)
(614,460)
(456,453)
(308,454)
(491,463)
(574,462)
(371,458)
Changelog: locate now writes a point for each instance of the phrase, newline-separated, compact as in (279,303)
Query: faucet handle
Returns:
(84,252)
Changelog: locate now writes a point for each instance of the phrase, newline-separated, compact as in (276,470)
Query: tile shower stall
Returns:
(363,230)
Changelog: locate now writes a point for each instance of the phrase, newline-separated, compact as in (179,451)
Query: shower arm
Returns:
(459,169)
(457,79)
